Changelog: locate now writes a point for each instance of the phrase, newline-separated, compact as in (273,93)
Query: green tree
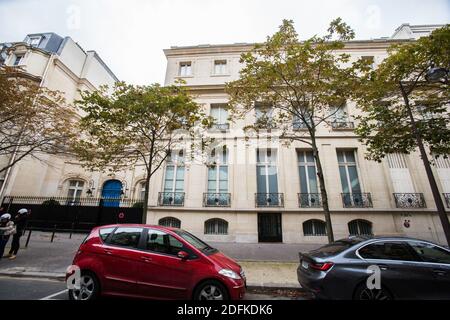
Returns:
(135,125)
(306,83)
(405,106)
(33,119)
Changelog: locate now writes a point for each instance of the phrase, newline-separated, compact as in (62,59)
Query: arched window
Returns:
(170,222)
(314,227)
(360,227)
(216,226)
(74,191)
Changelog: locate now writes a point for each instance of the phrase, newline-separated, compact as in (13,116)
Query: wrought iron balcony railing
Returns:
(409,200)
(72,201)
(171,199)
(357,200)
(269,200)
(447,199)
(342,125)
(309,200)
(216,199)
(220,126)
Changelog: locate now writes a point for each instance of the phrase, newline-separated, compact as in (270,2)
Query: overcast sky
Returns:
(129,35)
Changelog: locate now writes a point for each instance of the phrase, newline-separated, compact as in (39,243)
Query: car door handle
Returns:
(383,266)
(107,251)
(146,259)
(439,272)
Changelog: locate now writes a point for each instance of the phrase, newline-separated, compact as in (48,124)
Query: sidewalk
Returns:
(265,265)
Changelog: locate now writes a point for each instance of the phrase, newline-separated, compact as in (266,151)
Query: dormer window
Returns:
(34,41)
(220,66)
(17,59)
(185,69)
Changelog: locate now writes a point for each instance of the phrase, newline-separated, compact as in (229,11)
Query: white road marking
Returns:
(54,295)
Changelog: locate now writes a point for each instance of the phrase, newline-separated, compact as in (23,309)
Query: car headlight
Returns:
(230,274)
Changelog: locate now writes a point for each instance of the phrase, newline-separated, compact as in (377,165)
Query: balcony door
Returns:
(267,177)
(309,190)
(217,194)
(174,180)
(399,172)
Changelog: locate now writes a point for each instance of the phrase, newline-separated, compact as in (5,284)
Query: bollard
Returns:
(71,230)
(28,238)
(53,234)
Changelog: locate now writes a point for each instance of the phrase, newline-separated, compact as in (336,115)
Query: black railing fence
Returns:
(74,214)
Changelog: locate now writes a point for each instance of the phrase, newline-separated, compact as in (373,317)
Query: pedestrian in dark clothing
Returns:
(7,228)
(20,221)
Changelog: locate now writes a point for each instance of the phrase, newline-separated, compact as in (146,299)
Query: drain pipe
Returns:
(13,156)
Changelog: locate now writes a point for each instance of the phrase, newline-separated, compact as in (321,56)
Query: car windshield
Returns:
(333,248)
(194,241)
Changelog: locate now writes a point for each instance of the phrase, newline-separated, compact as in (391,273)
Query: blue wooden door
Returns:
(111,193)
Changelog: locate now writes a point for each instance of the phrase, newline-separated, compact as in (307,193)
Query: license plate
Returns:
(305,264)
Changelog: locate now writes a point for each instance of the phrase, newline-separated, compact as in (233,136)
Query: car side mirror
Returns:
(183,255)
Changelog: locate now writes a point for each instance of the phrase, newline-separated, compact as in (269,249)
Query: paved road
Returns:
(18,288)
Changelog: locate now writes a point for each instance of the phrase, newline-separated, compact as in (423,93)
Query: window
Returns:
(348,172)
(105,232)
(170,222)
(17,60)
(308,179)
(161,242)
(34,41)
(314,228)
(174,179)
(185,69)
(399,172)
(220,67)
(216,226)
(75,190)
(340,118)
(126,237)
(264,114)
(218,176)
(387,251)
(360,228)
(369,59)
(443,169)
(141,191)
(267,177)
(430,253)
(219,113)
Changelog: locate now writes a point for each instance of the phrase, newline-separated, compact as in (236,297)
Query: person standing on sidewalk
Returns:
(7,228)
(20,220)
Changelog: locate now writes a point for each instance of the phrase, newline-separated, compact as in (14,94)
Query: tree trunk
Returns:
(323,190)
(147,180)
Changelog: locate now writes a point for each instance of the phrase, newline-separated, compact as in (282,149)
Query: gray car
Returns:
(406,269)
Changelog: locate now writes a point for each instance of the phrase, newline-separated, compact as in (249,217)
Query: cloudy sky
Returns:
(129,35)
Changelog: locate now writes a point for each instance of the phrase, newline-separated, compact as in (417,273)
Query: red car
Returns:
(155,262)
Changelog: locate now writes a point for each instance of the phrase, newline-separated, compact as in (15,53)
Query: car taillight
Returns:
(321,266)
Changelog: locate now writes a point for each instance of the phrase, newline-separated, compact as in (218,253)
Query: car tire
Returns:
(364,293)
(211,290)
(90,287)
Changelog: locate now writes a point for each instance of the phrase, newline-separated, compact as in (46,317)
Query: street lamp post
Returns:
(434,74)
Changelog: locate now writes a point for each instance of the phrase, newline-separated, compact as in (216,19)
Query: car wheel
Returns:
(89,288)
(364,293)
(211,290)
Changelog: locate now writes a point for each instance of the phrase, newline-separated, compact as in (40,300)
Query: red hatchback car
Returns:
(155,262)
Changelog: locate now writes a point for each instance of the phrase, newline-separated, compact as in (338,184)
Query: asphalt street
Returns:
(20,288)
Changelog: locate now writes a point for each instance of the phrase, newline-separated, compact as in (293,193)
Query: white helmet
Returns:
(5,216)
(22,211)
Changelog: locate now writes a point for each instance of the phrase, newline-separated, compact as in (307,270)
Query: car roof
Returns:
(139,225)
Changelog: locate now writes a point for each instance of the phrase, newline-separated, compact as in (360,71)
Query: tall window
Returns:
(314,227)
(400,176)
(349,176)
(174,179)
(443,170)
(185,69)
(220,66)
(219,113)
(141,190)
(75,190)
(263,114)
(266,177)
(309,193)
(218,177)
(216,226)
(340,118)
